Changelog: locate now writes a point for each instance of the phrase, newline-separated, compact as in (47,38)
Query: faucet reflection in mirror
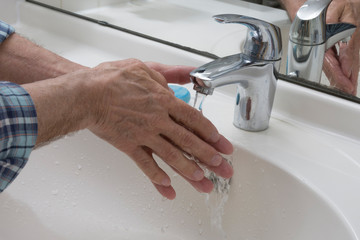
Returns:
(254,71)
(310,37)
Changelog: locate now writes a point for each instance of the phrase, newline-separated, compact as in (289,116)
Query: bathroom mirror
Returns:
(187,24)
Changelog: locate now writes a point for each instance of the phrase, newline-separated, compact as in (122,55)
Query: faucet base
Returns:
(254,101)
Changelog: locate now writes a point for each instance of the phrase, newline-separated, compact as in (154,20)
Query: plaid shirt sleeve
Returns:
(5,31)
(18,131)
(18,125)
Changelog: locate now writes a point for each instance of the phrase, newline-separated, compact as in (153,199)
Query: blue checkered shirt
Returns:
(18,125)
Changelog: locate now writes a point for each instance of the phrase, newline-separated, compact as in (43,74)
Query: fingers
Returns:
(224,170)
(167,192)
(144,160)
(203,186)
(160,72)
(334,12)
(173,74)
(223,145)
(335,74)
(193,120)
(136,64)
(191,144)
(342,71)
(174,157)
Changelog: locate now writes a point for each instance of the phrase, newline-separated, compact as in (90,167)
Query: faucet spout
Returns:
(254,71)
(256,85)
(232,69)
(220,72)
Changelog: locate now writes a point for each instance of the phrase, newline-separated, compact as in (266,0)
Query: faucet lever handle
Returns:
(263,40)
(309,24)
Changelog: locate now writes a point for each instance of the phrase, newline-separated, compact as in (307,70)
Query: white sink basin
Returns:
(298,180)
(82,188)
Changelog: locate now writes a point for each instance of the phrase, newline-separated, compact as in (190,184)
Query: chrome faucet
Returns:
(310,37)
(254,71)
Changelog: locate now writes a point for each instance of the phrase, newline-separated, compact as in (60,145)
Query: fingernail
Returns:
(198,175)
(216,160)
(166,182)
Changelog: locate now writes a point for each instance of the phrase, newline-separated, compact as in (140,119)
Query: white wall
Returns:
(10,15)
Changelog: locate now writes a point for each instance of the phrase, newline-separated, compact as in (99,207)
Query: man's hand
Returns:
(140,116)
(343,70)
(130,106)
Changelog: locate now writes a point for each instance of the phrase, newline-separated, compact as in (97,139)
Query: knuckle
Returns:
(154,123)
(193,116)
(155,176)
(146,163)
(171,156)
(134,61)
(186,140)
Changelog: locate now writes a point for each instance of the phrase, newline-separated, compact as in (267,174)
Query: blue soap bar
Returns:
(180,92)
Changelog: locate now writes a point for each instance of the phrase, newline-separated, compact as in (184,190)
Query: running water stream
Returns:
(217,199)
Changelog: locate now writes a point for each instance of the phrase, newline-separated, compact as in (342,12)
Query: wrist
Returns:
(63,105)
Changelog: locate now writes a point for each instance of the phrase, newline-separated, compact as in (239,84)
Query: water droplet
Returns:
(55,192)
(79,167)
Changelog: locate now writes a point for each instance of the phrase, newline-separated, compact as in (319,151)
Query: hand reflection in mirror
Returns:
(342,67)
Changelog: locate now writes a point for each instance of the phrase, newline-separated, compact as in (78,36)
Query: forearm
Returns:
(22,61)
(63,105)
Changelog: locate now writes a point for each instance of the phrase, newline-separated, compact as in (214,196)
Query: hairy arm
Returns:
(22,61)
(63,105)
(126,103)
